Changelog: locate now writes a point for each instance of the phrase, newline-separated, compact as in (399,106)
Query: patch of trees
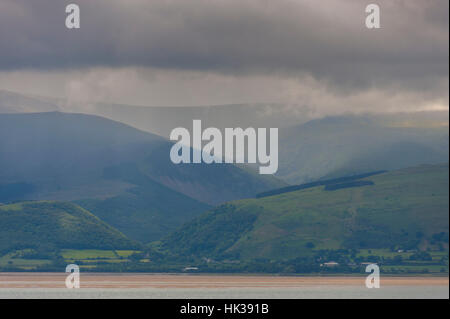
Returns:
(326,183)
(334,187)
(441,237)
(421,255)
(212,233)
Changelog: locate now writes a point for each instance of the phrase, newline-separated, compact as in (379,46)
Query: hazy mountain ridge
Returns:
(309,149)
(162,120)
(12,102)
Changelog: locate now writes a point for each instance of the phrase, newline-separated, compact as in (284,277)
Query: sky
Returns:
(317,54)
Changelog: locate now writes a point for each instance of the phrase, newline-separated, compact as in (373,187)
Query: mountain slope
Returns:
(61,151)
(97,162)
(58,225)
(402,208)
(145,212)
(343,145)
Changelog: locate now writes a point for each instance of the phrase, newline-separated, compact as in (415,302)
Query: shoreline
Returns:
(158,280)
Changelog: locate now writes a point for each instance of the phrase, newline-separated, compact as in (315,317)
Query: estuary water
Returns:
(318,292)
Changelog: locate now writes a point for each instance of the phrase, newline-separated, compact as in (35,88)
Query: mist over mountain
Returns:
(309,149)
(12,102)
(345,145)
(162,120)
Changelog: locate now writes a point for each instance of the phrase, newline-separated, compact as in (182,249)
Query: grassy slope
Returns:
(55,224)
(400,206)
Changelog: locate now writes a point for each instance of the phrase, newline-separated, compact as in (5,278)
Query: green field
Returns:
(21,263)
(415,269)
(86,258)
(80,254)
(16,259)
(97,256)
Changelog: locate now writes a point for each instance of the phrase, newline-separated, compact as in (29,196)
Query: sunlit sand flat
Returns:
(182,286)
(95,280)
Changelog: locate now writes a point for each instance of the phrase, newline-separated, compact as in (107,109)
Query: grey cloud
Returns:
(326,39)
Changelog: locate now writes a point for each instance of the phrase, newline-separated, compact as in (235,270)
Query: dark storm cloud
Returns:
(327,39)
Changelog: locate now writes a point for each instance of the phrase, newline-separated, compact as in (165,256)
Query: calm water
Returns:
(331,292)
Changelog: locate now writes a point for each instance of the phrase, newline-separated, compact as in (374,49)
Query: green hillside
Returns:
(48,225)
(403,209)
